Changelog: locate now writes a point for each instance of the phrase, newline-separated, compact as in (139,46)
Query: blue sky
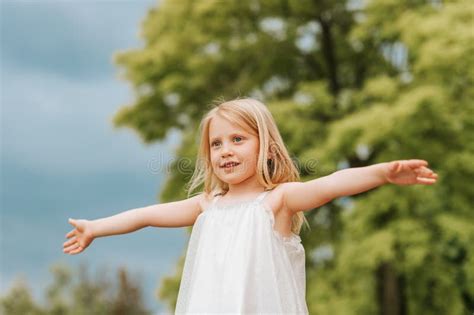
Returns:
(61,156)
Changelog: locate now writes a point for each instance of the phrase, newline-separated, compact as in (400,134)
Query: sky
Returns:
(60,155)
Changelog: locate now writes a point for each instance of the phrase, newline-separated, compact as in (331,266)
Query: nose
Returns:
(226,151)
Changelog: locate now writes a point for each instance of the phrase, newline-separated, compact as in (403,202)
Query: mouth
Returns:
(229,165)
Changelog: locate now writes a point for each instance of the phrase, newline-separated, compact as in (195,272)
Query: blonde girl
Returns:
(245,255)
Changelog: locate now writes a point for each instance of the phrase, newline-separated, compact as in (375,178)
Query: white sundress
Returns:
(236,263)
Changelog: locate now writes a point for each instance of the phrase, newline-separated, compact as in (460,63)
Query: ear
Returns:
(271,154)
(272,150)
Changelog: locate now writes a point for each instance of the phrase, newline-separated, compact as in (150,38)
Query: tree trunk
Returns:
(390,291)
(329,53)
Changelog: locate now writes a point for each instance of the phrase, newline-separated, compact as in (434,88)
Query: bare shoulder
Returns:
(285,192)
(197,201)
(283,216)
(204,200)
(275,199)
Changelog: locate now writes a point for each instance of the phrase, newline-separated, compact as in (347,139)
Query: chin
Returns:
(231,179)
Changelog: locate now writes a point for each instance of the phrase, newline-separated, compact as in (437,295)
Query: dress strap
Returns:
(214,200)
(262,195)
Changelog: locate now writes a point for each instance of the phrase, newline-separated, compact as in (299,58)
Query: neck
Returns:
(247,187)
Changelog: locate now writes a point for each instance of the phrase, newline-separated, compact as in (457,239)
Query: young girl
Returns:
(245,254)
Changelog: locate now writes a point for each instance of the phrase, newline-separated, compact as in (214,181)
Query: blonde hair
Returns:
(272,170)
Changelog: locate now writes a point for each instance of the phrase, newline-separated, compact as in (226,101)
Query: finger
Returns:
(72,222)
(428,174)
(424,171)
(71,233)
(426,181)
(431,174)
(72,247)
(416,163)
(76,251)
(69,243)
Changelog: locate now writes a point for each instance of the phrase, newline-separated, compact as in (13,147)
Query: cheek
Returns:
(253,154)
(215,163)
(251,159)
(213,160)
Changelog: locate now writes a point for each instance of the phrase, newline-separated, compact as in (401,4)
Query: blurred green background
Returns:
(350,83)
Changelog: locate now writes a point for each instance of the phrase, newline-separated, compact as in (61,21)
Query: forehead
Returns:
(221,127)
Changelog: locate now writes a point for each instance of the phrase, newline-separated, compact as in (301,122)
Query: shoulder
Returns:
(276,198)
(282,189)
(279,196)
(204,200)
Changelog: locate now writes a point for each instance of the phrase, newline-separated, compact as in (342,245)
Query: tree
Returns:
(19,300)
(128,298)
(75,294)
(410,249)
(390,80)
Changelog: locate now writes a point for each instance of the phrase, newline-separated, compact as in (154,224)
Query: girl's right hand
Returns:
(80,237)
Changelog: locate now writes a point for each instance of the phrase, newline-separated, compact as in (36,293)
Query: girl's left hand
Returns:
(410,172)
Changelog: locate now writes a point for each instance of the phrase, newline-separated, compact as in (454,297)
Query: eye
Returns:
(236,138)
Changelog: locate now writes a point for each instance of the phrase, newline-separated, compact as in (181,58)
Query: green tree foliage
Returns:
(350,84)
(73,293)
(19,300)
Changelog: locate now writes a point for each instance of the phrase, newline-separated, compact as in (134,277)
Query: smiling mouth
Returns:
(230,165)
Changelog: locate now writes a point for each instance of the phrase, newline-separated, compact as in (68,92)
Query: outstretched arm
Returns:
(304,196)
(172,214)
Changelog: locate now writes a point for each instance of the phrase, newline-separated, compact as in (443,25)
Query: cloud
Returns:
(59,96)
(69,38)
(63,125)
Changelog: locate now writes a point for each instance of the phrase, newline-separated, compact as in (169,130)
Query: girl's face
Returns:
(230,143)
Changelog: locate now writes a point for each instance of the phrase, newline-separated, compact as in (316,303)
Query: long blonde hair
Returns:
(271,170)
